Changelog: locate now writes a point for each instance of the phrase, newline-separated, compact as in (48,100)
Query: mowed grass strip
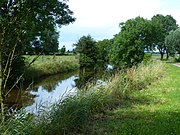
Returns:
(50,65)
(151,111)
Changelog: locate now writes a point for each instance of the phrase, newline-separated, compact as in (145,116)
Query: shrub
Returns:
(147,57)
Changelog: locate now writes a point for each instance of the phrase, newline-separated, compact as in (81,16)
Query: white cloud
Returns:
(95,13)
(100,18)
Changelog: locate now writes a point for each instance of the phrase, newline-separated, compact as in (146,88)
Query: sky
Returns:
(101,18)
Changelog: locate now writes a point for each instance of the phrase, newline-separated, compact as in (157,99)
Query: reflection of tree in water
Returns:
(86,75)
(90,75)
(21,98)
(50,83)
(18,98)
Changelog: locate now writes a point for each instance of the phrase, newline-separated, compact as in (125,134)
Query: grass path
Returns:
(152,111)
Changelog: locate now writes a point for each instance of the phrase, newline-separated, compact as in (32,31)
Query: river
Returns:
(46,91)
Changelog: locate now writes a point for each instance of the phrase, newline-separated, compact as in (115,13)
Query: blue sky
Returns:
(101,18)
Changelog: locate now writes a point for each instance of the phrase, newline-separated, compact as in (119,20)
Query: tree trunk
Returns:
(167,56)
(162,54)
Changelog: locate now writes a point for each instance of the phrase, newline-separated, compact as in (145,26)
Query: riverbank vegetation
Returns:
(73,114)
(152,110)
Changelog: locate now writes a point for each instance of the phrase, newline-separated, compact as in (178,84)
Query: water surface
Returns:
(46,91)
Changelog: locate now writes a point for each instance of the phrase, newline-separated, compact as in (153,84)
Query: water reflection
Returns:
(43,92)
(92,75)
(46,91)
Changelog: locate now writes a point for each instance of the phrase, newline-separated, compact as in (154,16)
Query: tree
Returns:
(172,41)
(164,24)
(86,46)
(129,44)
(49,41)
(104,49)
(169,43)
(63,50)
(22,22)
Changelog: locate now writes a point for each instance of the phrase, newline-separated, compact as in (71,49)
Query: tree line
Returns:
(127,48)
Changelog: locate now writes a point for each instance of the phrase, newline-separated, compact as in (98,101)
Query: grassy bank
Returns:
(154,110)
(143,100)
(50,65)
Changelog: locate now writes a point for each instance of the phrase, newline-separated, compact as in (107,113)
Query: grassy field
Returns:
(50,65)
(151,111)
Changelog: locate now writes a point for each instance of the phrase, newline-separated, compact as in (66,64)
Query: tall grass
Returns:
(71,115)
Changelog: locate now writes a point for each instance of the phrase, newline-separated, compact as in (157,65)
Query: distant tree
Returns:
(129,44)
(172,41)
(176,40)
(49,41)
(63,50)
(169,43)
(104,49)
(164,24)
(86,47)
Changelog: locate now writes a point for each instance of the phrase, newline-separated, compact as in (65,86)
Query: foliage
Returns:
(177,59)
(47,43)
(172,41)
(147,57)
(21,23)
(129,44)
(86,46)
(63,50)
(104,49)
(163,25)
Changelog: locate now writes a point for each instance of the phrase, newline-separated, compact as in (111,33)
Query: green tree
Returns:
(49,41)
(86,47)
(129,44)
(172,41)
(63,50)
(21,22)
(164,24)
(104,49)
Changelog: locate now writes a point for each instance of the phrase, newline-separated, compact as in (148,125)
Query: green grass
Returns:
(143,100)
(151,111)
(72,115)
(50,65)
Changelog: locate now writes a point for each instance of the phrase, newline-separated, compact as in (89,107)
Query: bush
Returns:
(147,57)
(177,59)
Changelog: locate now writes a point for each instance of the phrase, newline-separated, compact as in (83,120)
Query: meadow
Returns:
(49,65)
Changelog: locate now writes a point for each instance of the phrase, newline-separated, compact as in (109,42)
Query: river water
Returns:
(42,92)
(46,91)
